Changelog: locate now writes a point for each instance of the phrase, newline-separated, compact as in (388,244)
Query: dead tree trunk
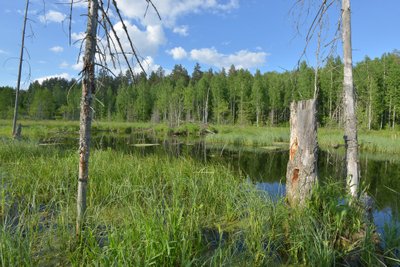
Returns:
(350,125)
(301,173)
(88,88)
(15,133)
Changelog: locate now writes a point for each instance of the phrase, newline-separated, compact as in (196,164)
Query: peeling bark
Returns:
(301,173)
(88,88)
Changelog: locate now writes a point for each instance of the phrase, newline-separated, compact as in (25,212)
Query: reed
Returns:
(164,211)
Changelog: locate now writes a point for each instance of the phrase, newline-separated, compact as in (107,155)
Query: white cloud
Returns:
(148,65)
(242,59)
(3,52)
(61,75)
(146,42)
(171,10)
(52,16)
(181,30)
(77,36)
(57,49)
(78,66)
(177,53)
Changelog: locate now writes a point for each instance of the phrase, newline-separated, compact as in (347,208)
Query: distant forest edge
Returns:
(233,96)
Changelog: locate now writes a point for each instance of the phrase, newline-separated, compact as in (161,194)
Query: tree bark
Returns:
(302,173)
(206,107)
(330,97)
(350,124)
(257,115)
(88,87)
(15,133)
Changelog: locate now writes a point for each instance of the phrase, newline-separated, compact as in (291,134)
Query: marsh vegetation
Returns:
(190,200)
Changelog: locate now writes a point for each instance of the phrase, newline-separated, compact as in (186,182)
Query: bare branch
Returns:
(154,7)
(115,36)
(128,36)
(70,22)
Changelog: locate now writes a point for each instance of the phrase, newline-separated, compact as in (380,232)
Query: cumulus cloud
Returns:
(78,66)
(171,10)
(181,30)
(61,75)
(243,59)
(148,65)
(150,36)
(146,42)
(57,49)
(177,53)
(52,16)
(77,36)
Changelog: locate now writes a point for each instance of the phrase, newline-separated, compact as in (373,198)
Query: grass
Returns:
(162,211)
(249,136)
(384,141)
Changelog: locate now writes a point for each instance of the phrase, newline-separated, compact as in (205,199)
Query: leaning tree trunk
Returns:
(350,124)
(88,88)
(16,133)
(301,173)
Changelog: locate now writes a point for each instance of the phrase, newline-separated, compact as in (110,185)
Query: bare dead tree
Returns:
(94,51)
(302,171)
(350,125)
(16,133)
(88,88)
(349,106)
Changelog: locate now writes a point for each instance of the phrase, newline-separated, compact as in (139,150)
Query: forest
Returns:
(234,96)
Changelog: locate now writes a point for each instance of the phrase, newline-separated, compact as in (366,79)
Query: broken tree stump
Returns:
(301,174)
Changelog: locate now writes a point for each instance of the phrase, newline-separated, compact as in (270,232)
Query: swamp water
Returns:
(263,166)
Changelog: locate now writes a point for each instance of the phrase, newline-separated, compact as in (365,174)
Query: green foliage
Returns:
(233,97)
(7,99)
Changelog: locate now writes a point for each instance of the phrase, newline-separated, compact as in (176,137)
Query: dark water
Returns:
(267,169)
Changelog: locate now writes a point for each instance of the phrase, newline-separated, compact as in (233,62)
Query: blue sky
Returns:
(253,34)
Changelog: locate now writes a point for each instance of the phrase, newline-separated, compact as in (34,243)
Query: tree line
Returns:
(233,96)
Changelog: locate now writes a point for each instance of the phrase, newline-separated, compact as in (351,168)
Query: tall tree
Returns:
(21,60)
(219,96)
(350,126)
(258,96)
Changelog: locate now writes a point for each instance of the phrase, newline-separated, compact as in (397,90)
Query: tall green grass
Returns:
(160,211)
(384,141)
(250,136)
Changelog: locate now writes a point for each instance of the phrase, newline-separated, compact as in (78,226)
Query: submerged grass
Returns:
(168,212)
